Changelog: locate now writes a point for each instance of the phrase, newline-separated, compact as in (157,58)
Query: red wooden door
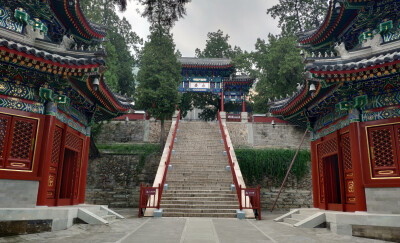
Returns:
(348,173)
(5,122)
(383,154)
(69,169)
(54,165)
(397,136)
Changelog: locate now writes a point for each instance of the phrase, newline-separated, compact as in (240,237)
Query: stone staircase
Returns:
(97,214)
(198,183)
(303,217)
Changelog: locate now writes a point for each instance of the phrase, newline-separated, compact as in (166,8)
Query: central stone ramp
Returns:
(199,184)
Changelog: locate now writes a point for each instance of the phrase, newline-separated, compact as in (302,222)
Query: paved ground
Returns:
(193,230)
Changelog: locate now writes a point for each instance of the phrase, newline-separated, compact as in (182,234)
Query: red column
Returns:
(82,186)
(314,172)
(45,158)
(222,98)
(355,144)
(243,106)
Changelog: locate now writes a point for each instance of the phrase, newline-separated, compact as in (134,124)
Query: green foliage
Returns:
(163,13)
(279,67)
(159,76)
(298,15)
(123,41)
(217,46)
(255,164)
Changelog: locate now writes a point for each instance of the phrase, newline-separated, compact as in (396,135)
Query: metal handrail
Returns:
(171,146)
(144,197)
(255,202)
(231,164)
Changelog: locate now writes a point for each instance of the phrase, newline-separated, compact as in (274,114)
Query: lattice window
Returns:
(22,141)
(346,152)
(383,155)
(17,140)
(55,152)
(382,150)
(328,147)
(73,142)
(4,123)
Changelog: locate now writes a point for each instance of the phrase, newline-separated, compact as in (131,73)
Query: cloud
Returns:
(243,20)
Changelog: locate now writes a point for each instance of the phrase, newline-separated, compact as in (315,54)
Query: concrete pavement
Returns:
(190,230)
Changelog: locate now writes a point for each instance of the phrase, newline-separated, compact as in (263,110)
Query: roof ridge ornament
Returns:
(341,50)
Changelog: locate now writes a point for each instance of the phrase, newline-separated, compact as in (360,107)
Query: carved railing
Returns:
(147,198)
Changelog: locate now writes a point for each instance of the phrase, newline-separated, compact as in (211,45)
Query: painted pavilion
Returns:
(51,90)
(215,75)
(350,101)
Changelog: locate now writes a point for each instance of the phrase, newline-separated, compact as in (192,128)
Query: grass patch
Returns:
(256,164)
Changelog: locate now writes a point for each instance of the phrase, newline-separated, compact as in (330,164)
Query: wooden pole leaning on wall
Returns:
(287,173)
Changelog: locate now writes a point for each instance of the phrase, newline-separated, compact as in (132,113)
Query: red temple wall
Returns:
(367,155)
(36,147)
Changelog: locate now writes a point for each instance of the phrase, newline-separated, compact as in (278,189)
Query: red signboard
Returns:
(250,192)
(151,191)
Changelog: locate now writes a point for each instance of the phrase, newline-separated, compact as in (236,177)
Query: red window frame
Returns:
(11,158)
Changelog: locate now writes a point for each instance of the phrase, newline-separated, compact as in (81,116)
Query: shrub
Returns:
(256,164)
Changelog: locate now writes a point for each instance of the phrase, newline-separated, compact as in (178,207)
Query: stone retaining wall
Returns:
(295,194)
(264,135)
(136,131)
(113,179)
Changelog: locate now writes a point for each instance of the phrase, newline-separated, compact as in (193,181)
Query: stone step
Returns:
(204,171)
(290,220)
(194,175)
(202,202)
(199,210)
(200,162)
(110,218)
(195,152)
(167,195)
(200,176)
(198,156)
(172,199)
(300,216)
(205,185)
(198,187)
(197,167)
(208,215)
(205,206)
(210,141)
(196,191)
(198,180)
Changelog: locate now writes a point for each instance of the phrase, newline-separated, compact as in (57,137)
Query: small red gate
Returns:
(149,198)
(250,199)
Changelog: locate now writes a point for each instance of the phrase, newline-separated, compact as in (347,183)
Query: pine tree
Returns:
(159,76)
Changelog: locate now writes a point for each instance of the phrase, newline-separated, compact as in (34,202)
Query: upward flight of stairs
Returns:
(199,184)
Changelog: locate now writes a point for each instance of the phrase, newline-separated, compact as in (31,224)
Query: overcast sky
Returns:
(243,20)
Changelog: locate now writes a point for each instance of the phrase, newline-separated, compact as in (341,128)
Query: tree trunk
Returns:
(162,135)
(93,150)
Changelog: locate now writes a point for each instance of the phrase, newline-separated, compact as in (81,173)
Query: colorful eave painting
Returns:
(70,13)
(336,21)
(77,70)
